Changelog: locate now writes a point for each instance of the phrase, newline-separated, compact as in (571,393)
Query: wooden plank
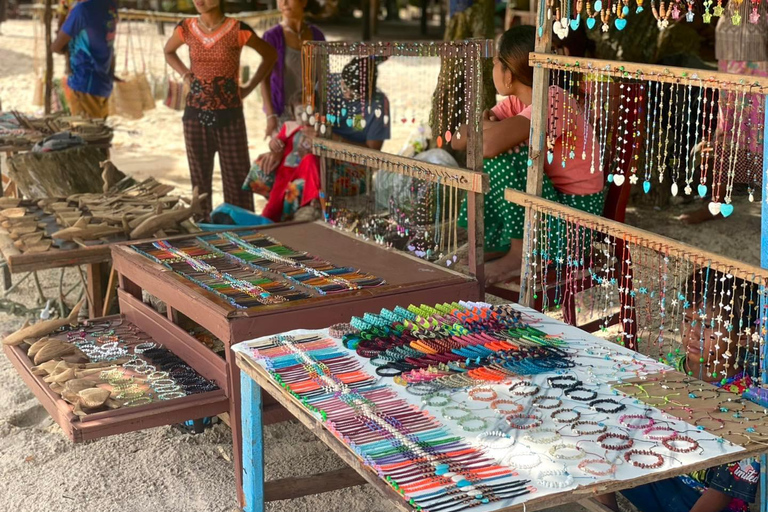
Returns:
(253,446)
(536,146)
(636,235)
(296,487)
(594,506)
(48,90)
(541,59)
(475,201)
(111,290)
(8,250)
(251,371)
(453,176)
(96,288)
(57,258)
(176,339)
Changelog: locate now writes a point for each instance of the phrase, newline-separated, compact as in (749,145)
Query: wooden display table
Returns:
(408,280)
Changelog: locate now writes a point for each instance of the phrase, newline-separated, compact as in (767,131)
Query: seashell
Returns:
(94,397)
(54,349)
(77,385)
(36,346)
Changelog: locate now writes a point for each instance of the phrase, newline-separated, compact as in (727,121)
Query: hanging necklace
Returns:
(214,27)
(689,170)
(302,28)
(727,208)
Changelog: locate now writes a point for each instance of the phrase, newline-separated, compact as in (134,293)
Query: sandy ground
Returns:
(164,468)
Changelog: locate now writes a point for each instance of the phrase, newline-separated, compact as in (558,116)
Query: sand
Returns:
(166,469)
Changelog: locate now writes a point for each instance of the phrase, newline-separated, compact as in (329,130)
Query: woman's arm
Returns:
(501,136)
(172,58)
(268,58)
(712,500)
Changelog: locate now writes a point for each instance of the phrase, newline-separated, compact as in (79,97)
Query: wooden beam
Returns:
(593,505)
(471,181)
(667,74)
(475,200)
(47,20)
(296,487)
(646,238)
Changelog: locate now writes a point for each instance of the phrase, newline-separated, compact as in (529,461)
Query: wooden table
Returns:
(408,280)
(255,379)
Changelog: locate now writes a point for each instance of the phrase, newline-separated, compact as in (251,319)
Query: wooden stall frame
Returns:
(473,180)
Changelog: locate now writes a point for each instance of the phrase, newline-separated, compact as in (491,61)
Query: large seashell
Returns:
(94,397)
(54,349)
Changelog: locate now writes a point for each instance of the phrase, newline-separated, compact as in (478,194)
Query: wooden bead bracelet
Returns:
(644,465)
(615,435)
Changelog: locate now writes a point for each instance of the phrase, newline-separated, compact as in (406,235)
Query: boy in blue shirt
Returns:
(88,34)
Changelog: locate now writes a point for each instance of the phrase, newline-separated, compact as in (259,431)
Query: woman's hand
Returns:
(276,145)
(488,119)
(271,126)
(247,89)
(268,162)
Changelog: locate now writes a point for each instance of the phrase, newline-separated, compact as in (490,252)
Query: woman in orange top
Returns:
(213,117)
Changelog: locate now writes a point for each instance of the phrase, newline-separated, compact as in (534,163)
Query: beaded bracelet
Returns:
(624,420)
(495,440)
(584,466)
(575,427)
(500,410)
(139,400)
(545,479)
(557,419)
(525,392)
(571,393)
(488,394)
(563,382)
(538,402)
(615,435)
(436,400)
(523,461)
(460,408)
(512,421)
(595,405)
(533,436)
(659,459)
(143,347)
(668,443)
(465,420)
(648,432)
(554,449)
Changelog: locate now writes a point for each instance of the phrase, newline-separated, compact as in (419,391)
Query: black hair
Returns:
(577,42)
(313,7)
(514,46)
(710,287)
(358,67)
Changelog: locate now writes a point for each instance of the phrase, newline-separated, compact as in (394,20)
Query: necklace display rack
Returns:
(420,214)
(467,405)
(247,283)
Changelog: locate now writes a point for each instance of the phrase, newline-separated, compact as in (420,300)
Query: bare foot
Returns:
(501,270)
(696,216)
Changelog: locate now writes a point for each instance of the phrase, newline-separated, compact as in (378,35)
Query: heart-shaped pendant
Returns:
(377,113)
(726,210)
(646,186)
(639,9)
(618,179)
(674,189)
(343,112)
(331,118)
(702,190)
(620,23)
(575,23)
(350,122)
(714,208)
(591,23)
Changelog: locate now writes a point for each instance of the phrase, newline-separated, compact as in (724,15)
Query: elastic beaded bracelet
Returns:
(533,436)
(517,421)
(554,449)
(624,419)
(571,393)
(525,392)
(483,394)
(465,413)
(545,479)
(614,435)
(557,419)
(584,466)
(421,388)
(659,459)
(436,400)
(668,443)
(495,440)
(495,405)
(466,421)
(563,382)
(523,461)
(576,428)
(648,432)
(140,400)
(595,406)
(171,395)
(538,402)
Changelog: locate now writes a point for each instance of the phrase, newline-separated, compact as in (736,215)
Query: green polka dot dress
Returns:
(505,221)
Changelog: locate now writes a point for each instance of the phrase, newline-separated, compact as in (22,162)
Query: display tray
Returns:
(102,423)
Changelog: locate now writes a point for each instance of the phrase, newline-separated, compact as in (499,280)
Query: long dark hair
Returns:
(514,46)
(367,67)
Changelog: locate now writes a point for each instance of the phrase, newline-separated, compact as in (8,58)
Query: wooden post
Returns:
(47,19)
(475,201)
(764,264)
(367,19)
(536,145)
(96,281)
(253,444)
(423,21)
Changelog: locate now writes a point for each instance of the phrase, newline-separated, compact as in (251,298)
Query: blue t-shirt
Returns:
(91,26)
(376,117)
